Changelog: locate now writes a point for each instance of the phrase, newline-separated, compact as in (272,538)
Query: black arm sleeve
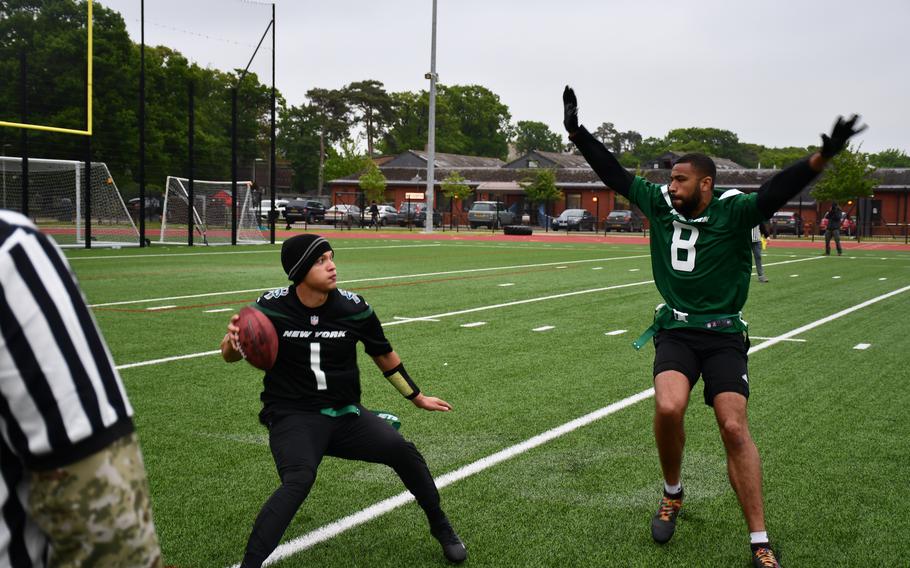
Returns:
(777,191)
(604,163)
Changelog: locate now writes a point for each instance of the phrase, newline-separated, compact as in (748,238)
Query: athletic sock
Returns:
(672,489)
(758,538)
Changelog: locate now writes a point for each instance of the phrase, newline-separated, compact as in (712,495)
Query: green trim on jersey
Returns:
(703,265)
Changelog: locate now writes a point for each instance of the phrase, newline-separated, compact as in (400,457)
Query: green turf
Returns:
(830,421)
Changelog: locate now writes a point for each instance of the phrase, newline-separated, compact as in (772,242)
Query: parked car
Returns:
(784,222)
(304,210)
(387,215)
(343,214)
(623,220)
(847,225)
(491,214)
(420,219)
(574,220)
(407,212)
(266,205)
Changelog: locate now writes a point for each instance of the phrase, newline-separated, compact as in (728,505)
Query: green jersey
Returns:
(703,265)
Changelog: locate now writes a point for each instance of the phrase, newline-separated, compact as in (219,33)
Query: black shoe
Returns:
(452,547)
(763,557)
(663,524)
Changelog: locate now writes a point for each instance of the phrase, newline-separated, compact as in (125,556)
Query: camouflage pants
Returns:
(96,512)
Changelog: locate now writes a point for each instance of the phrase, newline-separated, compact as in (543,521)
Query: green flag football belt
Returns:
(393,420)
(666,317)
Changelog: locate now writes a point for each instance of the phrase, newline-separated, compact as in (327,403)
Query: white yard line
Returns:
(272,251)
(374,279)
(335,528)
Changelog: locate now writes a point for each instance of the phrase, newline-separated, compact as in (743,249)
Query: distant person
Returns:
(702,268)
(311,397)
(759,233)
(834,217)
(374,214)
(73,487)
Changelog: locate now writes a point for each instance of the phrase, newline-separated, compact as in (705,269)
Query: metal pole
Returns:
(23,77)
(431,129)
(234,166)
(142,124)
(272,169)
(191,142)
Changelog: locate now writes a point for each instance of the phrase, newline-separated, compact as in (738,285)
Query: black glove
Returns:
(840,135)
(570,110)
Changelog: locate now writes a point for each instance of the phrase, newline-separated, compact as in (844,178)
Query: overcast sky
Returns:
(775,72)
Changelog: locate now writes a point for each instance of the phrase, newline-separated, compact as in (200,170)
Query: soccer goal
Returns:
(211,213)
(57,201)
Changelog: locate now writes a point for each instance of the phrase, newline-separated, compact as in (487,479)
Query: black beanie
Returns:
(300,252)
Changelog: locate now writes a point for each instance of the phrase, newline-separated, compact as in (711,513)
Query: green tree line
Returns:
(319,138)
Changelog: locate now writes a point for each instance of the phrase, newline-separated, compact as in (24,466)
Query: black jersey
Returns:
(316,366)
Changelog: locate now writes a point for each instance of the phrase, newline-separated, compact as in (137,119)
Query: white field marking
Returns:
(862,346)
(403,318)
(544,328)
(794,340)
(335,528)
(598,268)
(794,275)
(616,332)
(219,310)
(504,284)
(459,312)
(374,279)
(835,278)
(634,269)
(561,267)
(474,324)
(272,251)
(168,359)
(160,308)
(880,279)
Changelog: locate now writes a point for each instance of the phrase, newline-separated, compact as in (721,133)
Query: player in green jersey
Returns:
(701,260)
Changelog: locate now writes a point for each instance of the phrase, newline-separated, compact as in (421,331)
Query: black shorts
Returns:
(720,358)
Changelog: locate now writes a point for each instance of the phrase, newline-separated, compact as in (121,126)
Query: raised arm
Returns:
(604,163)
(778,190)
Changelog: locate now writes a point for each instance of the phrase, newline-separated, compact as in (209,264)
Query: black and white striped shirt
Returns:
(62,398)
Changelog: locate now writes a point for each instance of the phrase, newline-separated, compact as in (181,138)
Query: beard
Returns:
(687,206)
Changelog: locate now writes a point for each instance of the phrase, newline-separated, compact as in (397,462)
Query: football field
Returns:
(548,457)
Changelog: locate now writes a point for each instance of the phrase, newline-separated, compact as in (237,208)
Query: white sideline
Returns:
(335,528)
(375,279)
(436,316)
(272,251)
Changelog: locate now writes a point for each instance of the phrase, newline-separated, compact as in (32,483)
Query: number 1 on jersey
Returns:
(315,362)
(686,245)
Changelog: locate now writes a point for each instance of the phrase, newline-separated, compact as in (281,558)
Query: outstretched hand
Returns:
(431,403)
(570,110)
(840,135)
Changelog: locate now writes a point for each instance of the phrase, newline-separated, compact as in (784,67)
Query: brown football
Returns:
(258,338)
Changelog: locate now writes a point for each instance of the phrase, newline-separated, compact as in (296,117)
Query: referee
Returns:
(73,488)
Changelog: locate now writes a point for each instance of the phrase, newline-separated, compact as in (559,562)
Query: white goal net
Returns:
(57,201)
(211,213)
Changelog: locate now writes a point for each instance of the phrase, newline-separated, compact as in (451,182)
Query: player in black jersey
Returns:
(311,396)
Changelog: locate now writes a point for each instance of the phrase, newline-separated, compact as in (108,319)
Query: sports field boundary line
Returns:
(374,279)
(376,510)
(437,316)
(217,253)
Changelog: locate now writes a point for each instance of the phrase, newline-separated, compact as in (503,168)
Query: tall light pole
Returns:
(431,129)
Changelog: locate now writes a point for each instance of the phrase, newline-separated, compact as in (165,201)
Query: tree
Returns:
(482,118)
(345,162)
(609,137)
(533,135)
(541,187)
(330,110)
(455,187)
(408,130)
(299,143)
(373,183)
(890,158)
(848,176)
(374,106)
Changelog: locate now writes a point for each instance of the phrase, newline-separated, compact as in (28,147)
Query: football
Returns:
(258,338)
